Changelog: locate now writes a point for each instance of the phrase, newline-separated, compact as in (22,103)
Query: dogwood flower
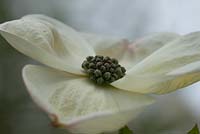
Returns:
(94,84)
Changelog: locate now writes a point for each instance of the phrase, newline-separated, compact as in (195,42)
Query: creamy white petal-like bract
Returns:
(129,53)
(114,47)
(173,66)
(44,41)
(80,106)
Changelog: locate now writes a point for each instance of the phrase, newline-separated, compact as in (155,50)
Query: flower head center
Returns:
(103,70)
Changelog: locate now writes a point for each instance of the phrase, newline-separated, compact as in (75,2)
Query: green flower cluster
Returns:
(103,70)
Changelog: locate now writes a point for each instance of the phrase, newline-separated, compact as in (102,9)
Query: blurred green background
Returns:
(174,113)
(18,114)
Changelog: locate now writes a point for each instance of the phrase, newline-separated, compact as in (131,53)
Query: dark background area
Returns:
(18,114)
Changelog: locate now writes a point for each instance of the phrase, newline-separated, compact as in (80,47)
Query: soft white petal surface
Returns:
(80,106)
(173,66)
(102,45)
(128,53)
(114,47)
(58,46)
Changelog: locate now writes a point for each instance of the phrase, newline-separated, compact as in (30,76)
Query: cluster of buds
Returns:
(103,70)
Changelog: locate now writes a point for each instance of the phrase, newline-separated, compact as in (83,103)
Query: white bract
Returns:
(159,63)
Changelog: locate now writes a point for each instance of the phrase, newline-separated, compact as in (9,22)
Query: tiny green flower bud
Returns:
(97,59)
(98,65)
(106,58)
(91,65)
(114,61)
(89,58)
(113,65)
(119,71)
(100,81)
(115,76)
(123,69)
(85,64)
(107,65)
(90,71)
(97,73)
(112,70)
(103,68)
(107,75)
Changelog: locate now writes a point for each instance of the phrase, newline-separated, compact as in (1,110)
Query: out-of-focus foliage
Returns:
(18,114)
(125,130)
(194,130)
(4,14)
